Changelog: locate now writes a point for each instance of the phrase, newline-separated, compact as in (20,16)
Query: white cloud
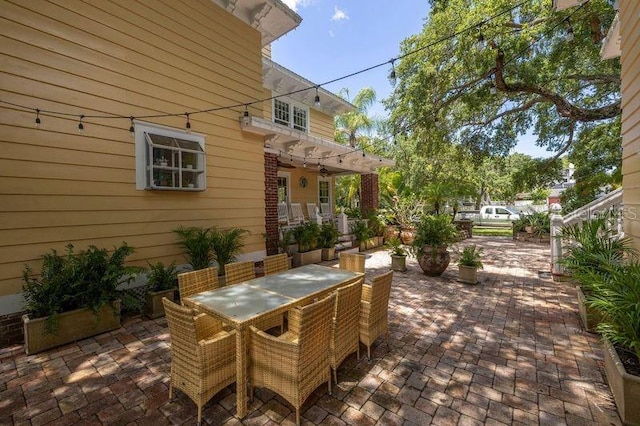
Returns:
(293,4)
(331,34)
(338,15)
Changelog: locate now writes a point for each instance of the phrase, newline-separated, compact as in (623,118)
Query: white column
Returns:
(343,223)
(557,222)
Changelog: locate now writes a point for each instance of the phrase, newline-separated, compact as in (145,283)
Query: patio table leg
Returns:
(241,371)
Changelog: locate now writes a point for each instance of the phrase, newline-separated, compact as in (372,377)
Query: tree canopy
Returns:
(517,72)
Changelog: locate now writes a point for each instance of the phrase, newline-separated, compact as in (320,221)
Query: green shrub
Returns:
(197,243)
(435,231)
(226,245)
(471,256)
(328,235)
(161,278)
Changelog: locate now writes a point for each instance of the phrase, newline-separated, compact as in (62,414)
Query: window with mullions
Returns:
(290,115)
(324,191)
(168,159)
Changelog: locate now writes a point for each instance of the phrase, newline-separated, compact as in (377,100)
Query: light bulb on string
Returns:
(246,110)
(132,129)
(316,100)
(569,36)
(37,123)
(481,41)
(363,154)
(188,124)
(339,160)
(392,73)
(80,125)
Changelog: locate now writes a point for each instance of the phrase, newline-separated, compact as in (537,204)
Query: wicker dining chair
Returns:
(345,327)
(197,281)
(276,263)
(374,310)
(203,355)
(238,272)
(353,262)
(296,363)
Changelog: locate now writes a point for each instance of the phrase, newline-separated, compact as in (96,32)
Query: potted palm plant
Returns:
(362,232)
(434,233)
(197,244)
(226,245)
(161,282)
(468,264)
(617,298)
(398,255)
(75,296)
(327,240)
(307,237)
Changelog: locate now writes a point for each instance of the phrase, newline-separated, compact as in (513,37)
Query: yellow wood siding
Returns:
(310,193)
(321,125)
(129,58)
(630,58)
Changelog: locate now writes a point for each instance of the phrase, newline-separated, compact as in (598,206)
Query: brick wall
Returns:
(271,201)
(369,193)
(11,329)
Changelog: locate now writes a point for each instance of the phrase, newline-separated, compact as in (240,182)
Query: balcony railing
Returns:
(612,202)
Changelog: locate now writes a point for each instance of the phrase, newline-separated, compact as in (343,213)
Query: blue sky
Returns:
(337,38)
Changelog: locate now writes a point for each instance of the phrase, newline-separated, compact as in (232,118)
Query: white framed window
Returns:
(169,159)
(284,187)
(324,190)
(291,114)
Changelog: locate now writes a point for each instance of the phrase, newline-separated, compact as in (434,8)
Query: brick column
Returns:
(368,193)
(271,202)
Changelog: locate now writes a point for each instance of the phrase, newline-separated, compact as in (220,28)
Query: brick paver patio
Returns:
(508,351)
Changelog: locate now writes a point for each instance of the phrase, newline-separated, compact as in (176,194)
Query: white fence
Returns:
(611,202)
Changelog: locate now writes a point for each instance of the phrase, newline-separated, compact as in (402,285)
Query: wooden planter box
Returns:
(467,274)
(307,258)
(328,253)
(154,307)
(371,243)
(72,326)
(624,386)
(590,317)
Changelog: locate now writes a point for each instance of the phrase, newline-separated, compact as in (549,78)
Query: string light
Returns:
(392,74)
(481,41)
(316,100)
(492,86)
(363,154)
(304,163)
(132,129)
(188,124)
(339,160)
(246,110)
(37,118)
(569,36)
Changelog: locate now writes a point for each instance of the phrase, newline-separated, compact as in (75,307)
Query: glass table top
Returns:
(240,302)
(300,282)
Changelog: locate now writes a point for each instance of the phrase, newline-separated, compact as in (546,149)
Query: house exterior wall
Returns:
(58,186)
(321,124)
(309,194)
(630,60)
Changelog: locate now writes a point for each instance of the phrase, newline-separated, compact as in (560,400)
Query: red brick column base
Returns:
(369,193)
(271,202)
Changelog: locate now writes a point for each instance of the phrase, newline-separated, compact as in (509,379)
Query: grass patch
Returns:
(492,232)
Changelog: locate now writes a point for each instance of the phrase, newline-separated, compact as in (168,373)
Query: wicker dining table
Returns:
(244,304)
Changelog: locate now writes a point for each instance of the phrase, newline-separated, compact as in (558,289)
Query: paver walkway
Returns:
(510,350)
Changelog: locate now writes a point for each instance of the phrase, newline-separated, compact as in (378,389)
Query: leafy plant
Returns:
(328,235)
(226,245)
(286,239)
(591,247)
(470,256)
(395,247)
(160,278)
(307,236)
(618,301)
(376,225)
(361,230)
(197,243)
(540,223)
(88,279)
(434,231)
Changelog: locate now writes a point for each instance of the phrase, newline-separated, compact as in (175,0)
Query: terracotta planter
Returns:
(328,253)
(468,274)
(154,307)
(391,231)
(72,326)
(306,258)
(433,263)
(407,235)
(590,317)
(398,263)
(624,386)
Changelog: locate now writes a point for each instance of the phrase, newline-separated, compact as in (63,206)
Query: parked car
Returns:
(489,216)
